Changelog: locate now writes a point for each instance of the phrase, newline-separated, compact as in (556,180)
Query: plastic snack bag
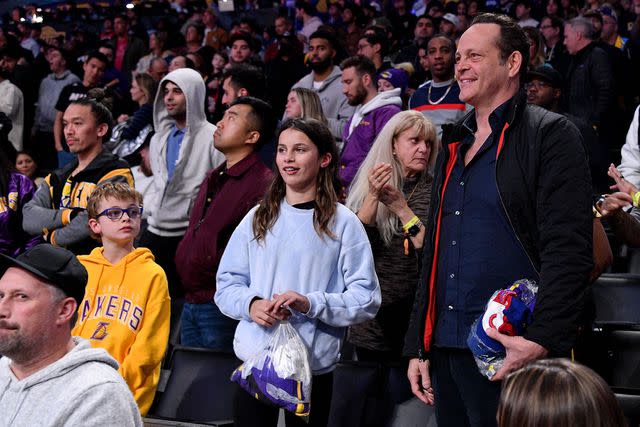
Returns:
(280,374)
(509,311)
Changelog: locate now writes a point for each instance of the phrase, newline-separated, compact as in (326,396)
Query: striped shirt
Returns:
(445,105)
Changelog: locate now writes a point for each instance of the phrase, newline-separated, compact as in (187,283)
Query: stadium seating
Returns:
(199,387)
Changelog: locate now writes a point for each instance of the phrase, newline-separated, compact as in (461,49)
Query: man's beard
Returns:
(321,66)
(358,98)
(14,346)
(178,115)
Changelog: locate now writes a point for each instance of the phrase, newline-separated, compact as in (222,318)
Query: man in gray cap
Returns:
(48,378)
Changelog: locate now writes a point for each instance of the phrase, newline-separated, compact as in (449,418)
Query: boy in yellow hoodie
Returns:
(126,307)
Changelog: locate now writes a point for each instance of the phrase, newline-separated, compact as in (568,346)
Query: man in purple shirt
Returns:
(373,111)
(225,196)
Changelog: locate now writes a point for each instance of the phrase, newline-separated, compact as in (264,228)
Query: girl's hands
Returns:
(267,313)
(290,300)
(261,312)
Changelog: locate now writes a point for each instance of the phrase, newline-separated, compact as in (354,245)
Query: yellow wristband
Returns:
(413,221)
(636,199)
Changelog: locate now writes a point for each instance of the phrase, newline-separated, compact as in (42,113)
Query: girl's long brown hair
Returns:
(328,184)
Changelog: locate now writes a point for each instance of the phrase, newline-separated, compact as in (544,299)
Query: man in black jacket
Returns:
(590,91)
(511,200)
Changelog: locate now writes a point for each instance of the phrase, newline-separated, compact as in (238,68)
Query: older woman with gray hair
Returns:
(391,194)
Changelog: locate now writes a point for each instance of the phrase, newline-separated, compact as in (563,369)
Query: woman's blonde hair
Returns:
(310,104)
(557,393)
(382,151)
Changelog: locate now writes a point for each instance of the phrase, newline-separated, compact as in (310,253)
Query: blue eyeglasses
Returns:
(114,214)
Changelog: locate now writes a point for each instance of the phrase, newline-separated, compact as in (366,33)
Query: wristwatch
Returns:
(414,229)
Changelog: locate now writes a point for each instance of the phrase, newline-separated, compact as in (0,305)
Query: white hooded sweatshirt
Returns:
(172,204)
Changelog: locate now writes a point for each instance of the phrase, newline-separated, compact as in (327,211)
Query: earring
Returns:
(393,152)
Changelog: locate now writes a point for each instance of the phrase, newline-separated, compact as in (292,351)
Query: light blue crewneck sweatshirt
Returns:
(336,275)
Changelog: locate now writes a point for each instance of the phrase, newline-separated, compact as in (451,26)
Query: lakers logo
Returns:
(13,201)
(101,331)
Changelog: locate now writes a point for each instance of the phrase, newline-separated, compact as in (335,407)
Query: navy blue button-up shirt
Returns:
(479,251)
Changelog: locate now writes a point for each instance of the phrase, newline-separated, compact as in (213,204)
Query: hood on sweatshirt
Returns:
(192,85)
(82,353)
(96,261)
(307,81)
(389,97)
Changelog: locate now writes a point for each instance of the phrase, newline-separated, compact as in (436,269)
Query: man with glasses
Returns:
(58,209)
(126,305)
(555,53)
(374,45)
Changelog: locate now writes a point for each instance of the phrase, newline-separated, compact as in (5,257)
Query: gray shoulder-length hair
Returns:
(382,152)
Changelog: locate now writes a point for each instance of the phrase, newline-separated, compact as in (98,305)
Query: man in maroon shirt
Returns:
(128,49)
(225,196)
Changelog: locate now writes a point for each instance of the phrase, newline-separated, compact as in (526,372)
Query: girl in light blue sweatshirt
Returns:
(301,256)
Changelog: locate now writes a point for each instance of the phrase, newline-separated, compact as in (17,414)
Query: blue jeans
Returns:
(464,398)
(204,325)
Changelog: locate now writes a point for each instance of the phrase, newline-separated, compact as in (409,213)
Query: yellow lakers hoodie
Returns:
(126,310)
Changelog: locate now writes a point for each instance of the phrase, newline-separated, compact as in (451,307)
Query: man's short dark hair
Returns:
(97,55)
(378,38)
(199,29)
(12,50)
(308,8)
(63,52)
(107,44)
(452,42)
(243,36)
(262,118)
(555,22)
(362,65)
(511,39)
(250,22)
(122,16)
(327,35)
(247,77)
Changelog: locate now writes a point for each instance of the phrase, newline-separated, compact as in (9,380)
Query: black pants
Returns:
(391,388)
(464,397)
(250,412)
(164,250)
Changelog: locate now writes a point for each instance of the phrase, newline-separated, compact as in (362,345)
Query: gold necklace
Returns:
(413,191)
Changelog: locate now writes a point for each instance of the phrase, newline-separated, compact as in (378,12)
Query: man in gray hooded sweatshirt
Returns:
(324,78)
(181,152)
(47,377)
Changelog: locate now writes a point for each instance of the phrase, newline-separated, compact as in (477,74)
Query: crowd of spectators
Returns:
(359,129)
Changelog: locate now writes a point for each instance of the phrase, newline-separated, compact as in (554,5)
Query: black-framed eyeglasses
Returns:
(114,214)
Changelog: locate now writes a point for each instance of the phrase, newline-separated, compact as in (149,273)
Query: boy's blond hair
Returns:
(116,190)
